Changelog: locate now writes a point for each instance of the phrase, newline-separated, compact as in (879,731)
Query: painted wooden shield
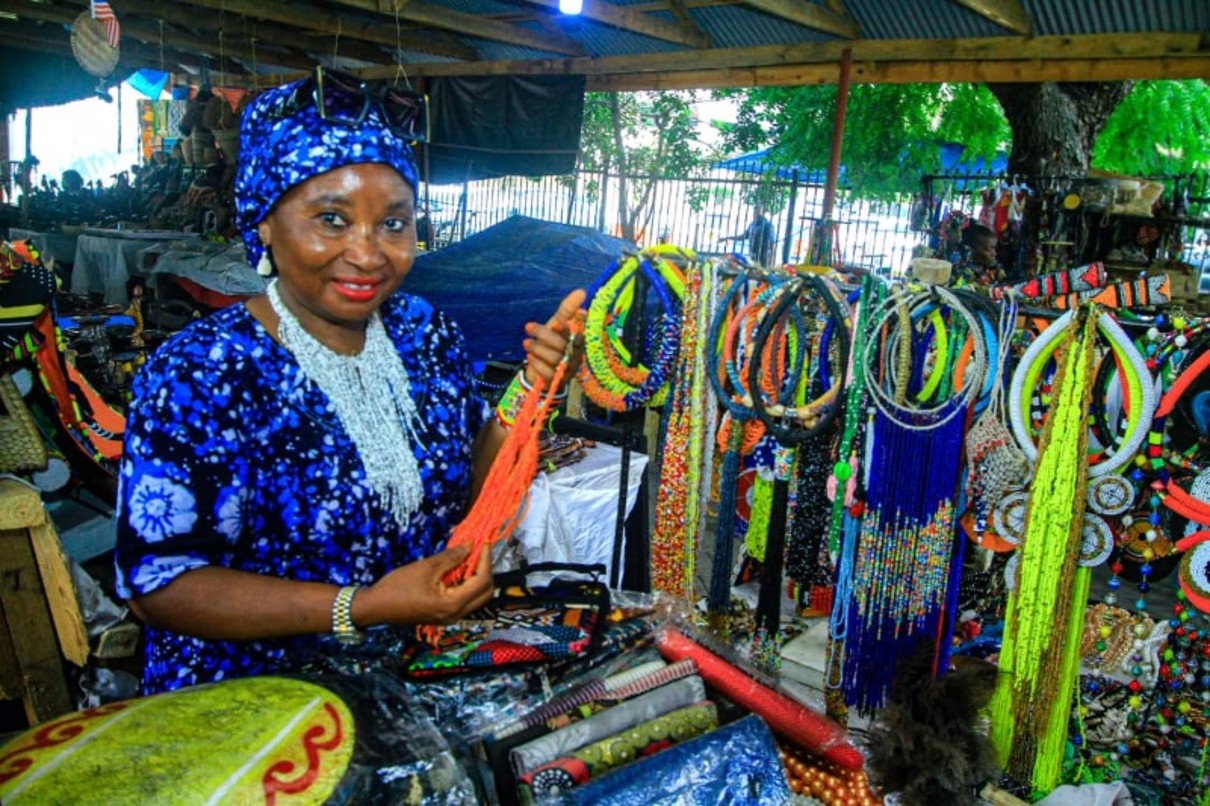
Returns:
(257,740)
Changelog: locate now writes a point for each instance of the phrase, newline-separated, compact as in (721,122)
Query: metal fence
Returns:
(694,213)
(697,212)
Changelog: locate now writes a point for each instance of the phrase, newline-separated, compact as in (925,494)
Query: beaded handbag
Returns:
(995,463)
(21,446)
(522,625)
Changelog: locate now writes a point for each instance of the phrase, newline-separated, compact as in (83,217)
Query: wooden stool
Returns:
(40,621)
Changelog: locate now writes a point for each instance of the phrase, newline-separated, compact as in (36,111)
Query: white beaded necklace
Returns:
(371,396)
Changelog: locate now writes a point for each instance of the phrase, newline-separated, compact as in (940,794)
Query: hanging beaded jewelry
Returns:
(674,540)
(605,375)
(1142,391)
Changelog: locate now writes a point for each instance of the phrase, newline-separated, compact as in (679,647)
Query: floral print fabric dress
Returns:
(233,459)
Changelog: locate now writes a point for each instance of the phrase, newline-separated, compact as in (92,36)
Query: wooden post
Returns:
(842,108)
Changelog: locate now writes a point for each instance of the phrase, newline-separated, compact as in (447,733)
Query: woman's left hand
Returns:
(547,343)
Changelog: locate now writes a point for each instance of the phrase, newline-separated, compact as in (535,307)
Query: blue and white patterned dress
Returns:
(232,459)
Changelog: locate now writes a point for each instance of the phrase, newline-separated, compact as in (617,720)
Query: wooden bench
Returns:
(40,620)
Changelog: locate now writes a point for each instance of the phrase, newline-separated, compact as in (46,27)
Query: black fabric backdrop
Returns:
(42,79)
(488,126)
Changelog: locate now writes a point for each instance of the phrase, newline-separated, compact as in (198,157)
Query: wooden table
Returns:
(40,621)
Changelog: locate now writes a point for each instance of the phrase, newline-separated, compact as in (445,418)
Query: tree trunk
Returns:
(615,116)
(1055,125)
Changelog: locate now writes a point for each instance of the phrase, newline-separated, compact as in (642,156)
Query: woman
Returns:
(294,465)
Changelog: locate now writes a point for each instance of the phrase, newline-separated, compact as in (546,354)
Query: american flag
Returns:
(102,11)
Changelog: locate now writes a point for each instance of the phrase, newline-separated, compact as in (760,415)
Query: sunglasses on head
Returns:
(347,99)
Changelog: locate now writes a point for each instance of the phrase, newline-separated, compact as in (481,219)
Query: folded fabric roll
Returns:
(791,720)
(627,676)
(677,694)
(736,764)
(596,759)
(624,689)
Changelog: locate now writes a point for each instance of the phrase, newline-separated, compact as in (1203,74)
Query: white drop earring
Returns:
(264,267)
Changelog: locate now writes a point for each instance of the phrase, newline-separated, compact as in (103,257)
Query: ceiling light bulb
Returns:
(571,6)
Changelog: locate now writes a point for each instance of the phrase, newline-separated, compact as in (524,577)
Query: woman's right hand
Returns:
(415,593)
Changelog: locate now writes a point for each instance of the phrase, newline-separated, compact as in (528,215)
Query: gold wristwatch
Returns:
(342,617)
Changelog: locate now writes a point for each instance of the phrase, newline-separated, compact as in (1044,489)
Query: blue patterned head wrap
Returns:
(277,153)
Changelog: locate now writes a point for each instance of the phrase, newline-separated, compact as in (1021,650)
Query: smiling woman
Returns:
(296,464)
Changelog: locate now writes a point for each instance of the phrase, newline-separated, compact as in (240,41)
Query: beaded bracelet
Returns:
(514,396)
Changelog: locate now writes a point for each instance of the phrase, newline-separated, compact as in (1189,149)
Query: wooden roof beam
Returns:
(636,22)
(150,32)
(433,16)
(686,21)
(1007,13)
(914,72)
(1035,49)
(314,19)
(808,15)
(243,29)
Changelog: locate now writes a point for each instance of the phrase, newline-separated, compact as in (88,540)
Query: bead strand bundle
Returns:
(1039,662)
(674,541)
(496,511)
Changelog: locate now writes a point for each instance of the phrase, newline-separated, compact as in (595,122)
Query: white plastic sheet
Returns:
(573,511)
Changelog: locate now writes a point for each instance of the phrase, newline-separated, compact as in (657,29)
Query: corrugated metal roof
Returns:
(1118,16)
(919,19)
(740,27)
(599,39)
(736,25)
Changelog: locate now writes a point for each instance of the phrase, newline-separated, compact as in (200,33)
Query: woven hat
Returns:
(90,45)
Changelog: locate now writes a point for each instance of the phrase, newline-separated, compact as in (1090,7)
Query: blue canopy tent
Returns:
(760,162)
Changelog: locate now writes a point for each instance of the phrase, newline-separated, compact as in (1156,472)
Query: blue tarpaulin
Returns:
(517,271)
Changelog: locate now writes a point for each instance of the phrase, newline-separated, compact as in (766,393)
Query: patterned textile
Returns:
(736,764)
(555,622)
(609,722)
(277,153)
(598,758)
(232,460)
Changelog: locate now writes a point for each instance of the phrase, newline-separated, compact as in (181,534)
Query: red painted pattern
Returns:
(17,761)
(274,780)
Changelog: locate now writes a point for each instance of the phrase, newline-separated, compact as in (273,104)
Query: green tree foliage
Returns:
(1160,128)
(643,138)
(893,132)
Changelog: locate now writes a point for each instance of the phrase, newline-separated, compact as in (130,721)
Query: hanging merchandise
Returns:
(906,562)
(678,504)
(612,375)
(738,431)
(995,465)
(1040,656)
(824,327)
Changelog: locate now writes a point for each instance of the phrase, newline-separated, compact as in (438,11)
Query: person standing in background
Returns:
(759,235)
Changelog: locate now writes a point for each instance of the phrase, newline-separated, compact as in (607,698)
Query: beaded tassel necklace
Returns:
(901,579)
(1039,662)
(371,396)
(674,541)
(841,488)
(498,508)
(904,554)
(736,436)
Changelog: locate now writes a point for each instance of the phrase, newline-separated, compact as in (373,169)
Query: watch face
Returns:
(350,637)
